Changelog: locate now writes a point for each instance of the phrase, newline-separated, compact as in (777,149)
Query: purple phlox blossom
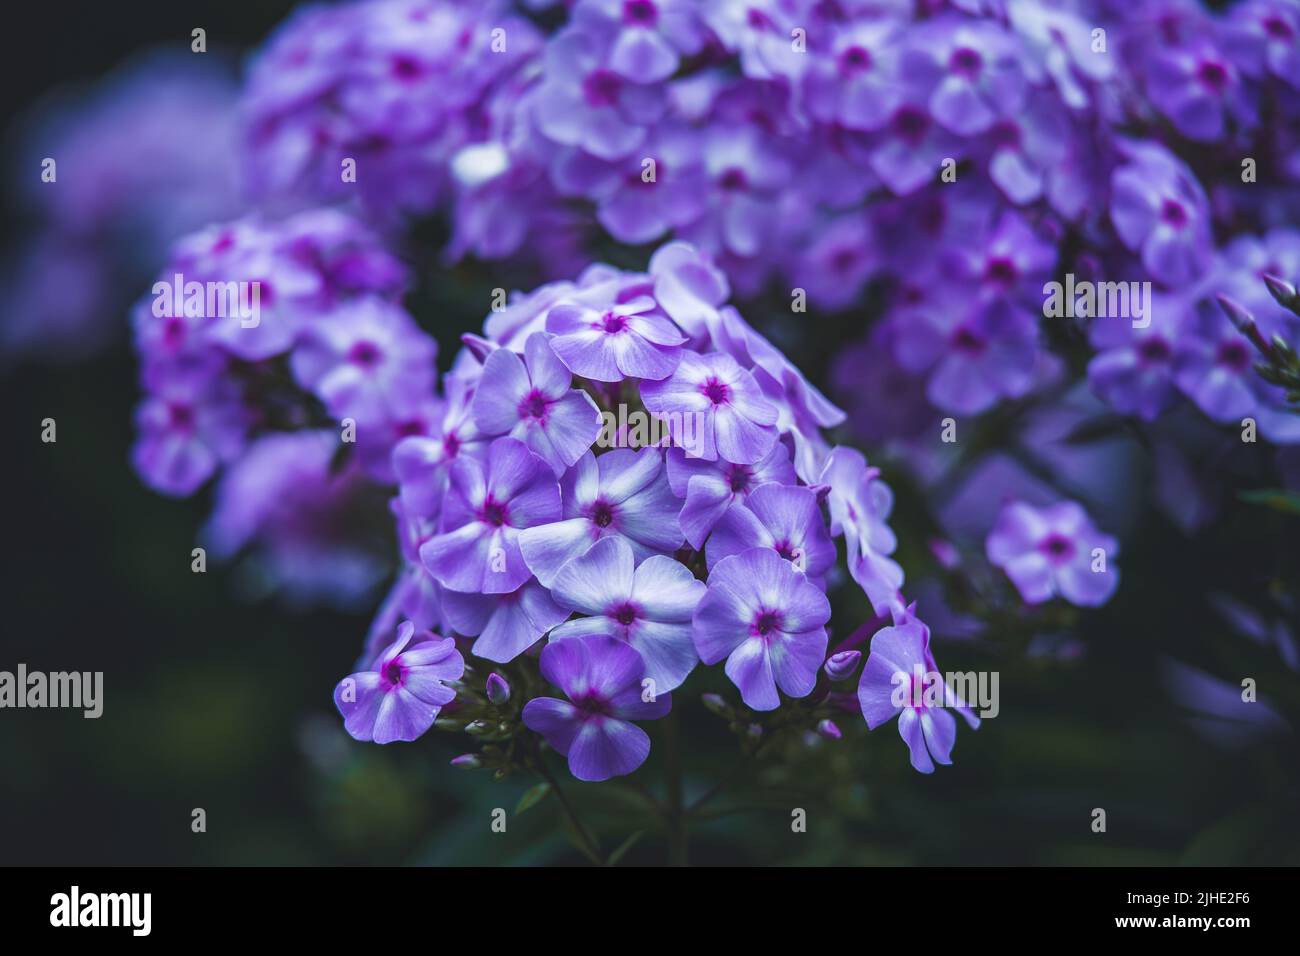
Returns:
(911,146)
(486,506)
(976,71)
(839,261)
(899,679)
(1008,261)
(650,35)
(1214,366)
(714,397)
(974,353)
(1199,88)
(1054,550)
(1243,264)
(585,101)
(400,695)
(422,463)
(362,355)
(506,625)
(1160,212)
(768,621)
(532,399)
(855,83)
(187,426)
(624,493)
(626,340)
(1062,45)
(785,518)
(282,501)
(746,173)
(710,488)
(647,605)
(1027,150)
(1263,37)
(688,286)
(602,678)
(859,504)
(1133,370)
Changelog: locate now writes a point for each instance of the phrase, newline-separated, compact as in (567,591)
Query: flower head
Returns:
(1054,550)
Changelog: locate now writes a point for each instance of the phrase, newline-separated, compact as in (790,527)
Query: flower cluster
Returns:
(542,513)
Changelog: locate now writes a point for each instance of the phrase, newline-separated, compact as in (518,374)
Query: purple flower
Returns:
(1261,36)
(1159,211)
(1133,370)
(899,675)
(531,399)
(400,696)
(650,35)
(189,425)
(283,500)
(422,463)
(859,504)
(1199,88)
(486,506)
(856,83)
(768,620)
(506,625)
(976,71)
(626,340)
(584,100)
(601,677)
(363,356)
(714,408)
(710,488)
(975,353)
(649,606)
(784,518)
(1054,550)
(688,286)
(622,493)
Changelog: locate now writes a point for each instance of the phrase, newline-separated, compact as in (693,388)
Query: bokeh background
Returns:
(219,698)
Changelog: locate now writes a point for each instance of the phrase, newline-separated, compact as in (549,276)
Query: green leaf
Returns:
(624,847)
(532,797)
(1288,502)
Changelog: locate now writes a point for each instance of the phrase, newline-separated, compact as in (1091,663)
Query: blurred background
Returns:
(217,697)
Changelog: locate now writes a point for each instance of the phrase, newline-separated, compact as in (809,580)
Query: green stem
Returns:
(586,842)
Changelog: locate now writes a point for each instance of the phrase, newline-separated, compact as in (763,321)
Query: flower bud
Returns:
(498,689)
(477,727)
(1284,292)
(828,730)
(467,762)
(841,666)
(716,704)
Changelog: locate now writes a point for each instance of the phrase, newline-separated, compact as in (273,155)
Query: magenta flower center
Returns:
(1173,212)
(717,392)
(1277,28)
(766,622)
(625,614)
(534,405)
(602,514)
(966,62)
(393,673)
(640,12)
(601,88)
(733,179)
(493,512)
(364,354)
(180,416)
(855,59)
(1213,76)
(592,704)
(1001,271)
(1233,355)
(967,341)
(1005,134)
(612,322)
(450,444)
(738,478)
(406,67)
(173,333)
(910,124)
(1057,547)
(1154,350)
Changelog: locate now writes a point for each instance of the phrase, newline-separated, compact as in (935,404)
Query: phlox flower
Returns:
(1049,551)
(732,418)
(626,340)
